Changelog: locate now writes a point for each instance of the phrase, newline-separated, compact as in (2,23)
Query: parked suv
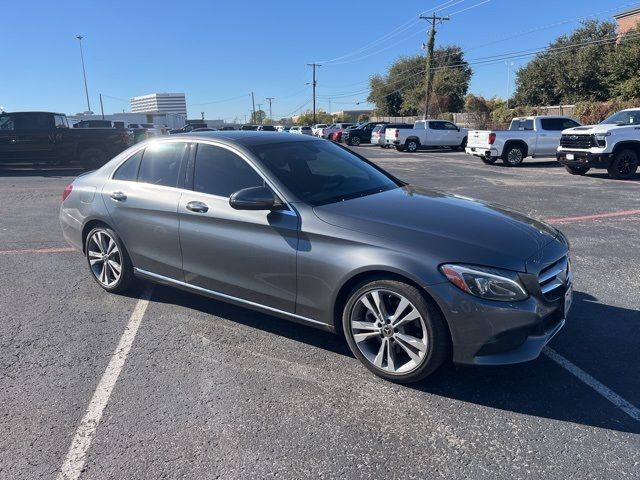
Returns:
(361,133)
(614,144)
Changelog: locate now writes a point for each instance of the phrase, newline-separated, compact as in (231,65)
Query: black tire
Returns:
(127,278)
(354,141)
(412,145)
(489,160)
(399,148)
(462,146)
(92,158)
(513,156)
(438,342)
(624,165)
(576,170)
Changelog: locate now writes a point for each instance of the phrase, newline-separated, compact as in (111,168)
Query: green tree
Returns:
(623,68)
(259,117)
(401,91)
(578,71)
(306,118)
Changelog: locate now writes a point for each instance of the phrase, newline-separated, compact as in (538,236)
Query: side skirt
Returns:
(154,277)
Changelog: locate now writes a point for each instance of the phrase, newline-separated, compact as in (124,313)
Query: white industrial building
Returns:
(160,103)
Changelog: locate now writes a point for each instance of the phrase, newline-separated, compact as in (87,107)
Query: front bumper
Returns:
(486,332)
(481,152)
(584,159)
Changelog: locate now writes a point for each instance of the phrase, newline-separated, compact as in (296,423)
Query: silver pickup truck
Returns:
(537,136)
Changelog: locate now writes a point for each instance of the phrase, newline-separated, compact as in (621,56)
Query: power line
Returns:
(469,8)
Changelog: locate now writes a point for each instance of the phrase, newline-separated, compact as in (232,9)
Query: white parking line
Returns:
(603,390)
(74,461)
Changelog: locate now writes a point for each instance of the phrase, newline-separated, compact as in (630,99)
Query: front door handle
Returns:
(118,196)
(197,207)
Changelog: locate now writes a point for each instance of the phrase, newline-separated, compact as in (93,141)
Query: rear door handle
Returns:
(197,207)
(118,196)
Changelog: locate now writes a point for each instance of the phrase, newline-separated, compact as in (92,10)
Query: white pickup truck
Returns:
(428,133)
(613,144)
(527,137)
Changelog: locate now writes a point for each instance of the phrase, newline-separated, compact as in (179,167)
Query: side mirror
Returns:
(254,198)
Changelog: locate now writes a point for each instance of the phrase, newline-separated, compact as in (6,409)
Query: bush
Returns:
(594,112)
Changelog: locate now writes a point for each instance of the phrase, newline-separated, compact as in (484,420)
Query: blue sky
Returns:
(222,50)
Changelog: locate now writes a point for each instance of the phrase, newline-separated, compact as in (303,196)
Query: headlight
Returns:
(487,283)
(601,139)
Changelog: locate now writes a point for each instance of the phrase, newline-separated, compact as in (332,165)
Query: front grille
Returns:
(554,279)
(577,141)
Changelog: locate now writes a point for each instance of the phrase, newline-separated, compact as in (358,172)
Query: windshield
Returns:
(629,117)
(321,172)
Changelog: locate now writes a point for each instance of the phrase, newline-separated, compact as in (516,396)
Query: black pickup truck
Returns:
(44,138)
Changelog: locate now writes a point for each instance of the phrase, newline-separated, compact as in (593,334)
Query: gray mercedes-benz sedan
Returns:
(312,232)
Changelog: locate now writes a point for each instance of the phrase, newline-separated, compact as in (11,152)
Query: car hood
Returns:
(449,227)
(600,128)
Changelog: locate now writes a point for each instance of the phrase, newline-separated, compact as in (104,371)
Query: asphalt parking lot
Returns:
(209,390)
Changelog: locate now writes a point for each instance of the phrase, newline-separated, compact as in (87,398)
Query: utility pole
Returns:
(101,108)
(270,99)
(253,103)
(313,83)
(259,110)
(433,19)
(84,74)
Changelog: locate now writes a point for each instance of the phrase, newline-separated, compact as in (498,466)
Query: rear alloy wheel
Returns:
(514,156)
(576,170)
(108,260)
(624,165)
(354,141)
(489,160)
(392,329)
(412,145)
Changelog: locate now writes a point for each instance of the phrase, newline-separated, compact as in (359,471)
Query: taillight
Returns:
(397,133)
(492,138)
(67,192)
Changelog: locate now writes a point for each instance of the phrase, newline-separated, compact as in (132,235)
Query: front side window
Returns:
(161,164)
(221,172)
(557,124)
(7,122)
(630,117)
(322,172)
(449,126)
(128,171)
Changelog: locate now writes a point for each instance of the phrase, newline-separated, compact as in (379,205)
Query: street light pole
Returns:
(84,74)
(270,99)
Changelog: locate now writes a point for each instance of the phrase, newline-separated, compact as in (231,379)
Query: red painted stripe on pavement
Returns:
(625,213)
(37,250)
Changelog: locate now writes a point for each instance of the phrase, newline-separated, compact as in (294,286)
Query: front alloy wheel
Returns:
(394,331)
(624,165)
(108,261)
(354,141)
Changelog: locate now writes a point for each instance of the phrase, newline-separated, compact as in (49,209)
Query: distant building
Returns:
(627,20)
(160,103)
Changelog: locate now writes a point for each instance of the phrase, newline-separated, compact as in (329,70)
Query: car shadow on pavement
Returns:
(40,172)
(547,163)
(539,388)
(601,339)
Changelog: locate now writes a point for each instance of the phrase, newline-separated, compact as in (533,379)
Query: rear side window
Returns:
(161,163)
(525,125)
(221,172)
(557,124)
(128,171)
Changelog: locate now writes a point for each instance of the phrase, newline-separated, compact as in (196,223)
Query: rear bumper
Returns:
(481,151)
(584,159)
(498,333)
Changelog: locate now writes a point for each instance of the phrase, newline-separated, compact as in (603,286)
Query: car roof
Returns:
(248,137)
